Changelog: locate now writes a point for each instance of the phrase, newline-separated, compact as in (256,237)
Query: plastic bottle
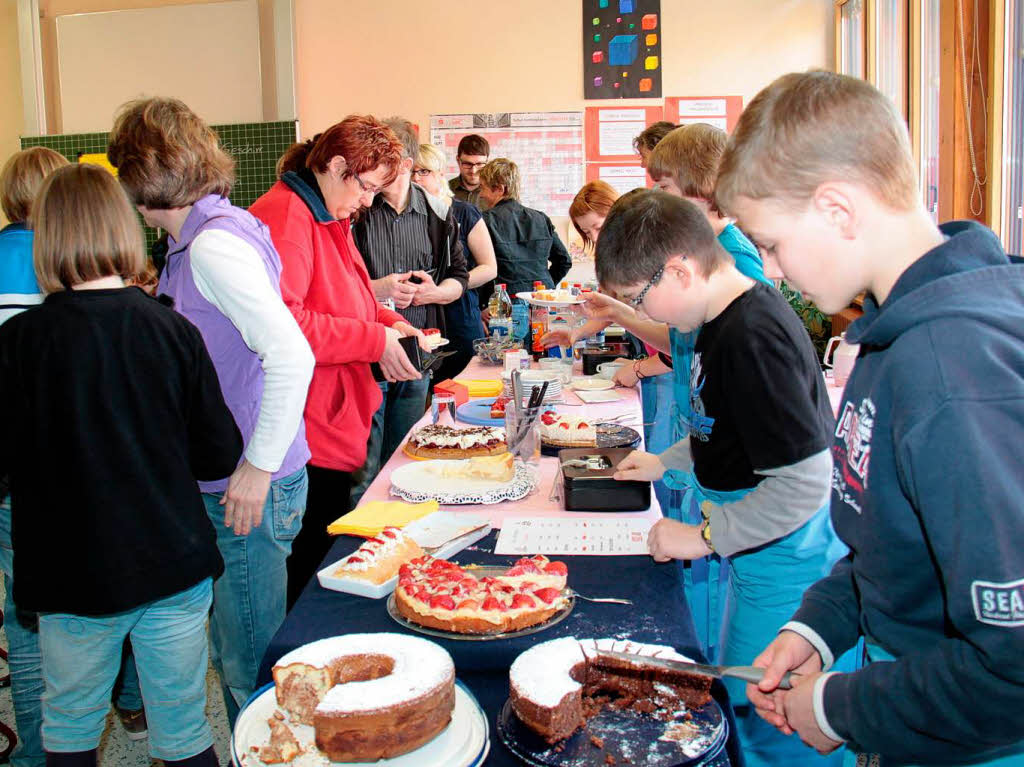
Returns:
(538,324)
(521,322)
(500,309)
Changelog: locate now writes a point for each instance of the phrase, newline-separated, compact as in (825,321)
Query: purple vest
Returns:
(238,367)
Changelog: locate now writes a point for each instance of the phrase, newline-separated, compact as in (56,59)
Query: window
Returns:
(850,58)
(1013,128)
(928,88)
(890,51)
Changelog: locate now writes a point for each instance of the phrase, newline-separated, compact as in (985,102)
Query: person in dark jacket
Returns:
(120,545)
(525,241)
(926,479)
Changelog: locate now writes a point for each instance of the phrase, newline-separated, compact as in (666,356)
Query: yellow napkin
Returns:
(373,516)
(481,387)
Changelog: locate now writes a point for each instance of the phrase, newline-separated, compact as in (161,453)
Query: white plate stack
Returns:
(531,378)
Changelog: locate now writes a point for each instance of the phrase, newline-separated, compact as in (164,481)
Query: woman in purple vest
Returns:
(223,273)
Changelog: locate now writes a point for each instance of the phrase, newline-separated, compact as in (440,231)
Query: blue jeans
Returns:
(23,660)
(403,405)
(80,661)
(249,598)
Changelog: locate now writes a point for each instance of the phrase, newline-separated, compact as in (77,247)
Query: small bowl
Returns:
(493,349)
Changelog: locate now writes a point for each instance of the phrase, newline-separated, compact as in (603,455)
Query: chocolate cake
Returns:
(556,686)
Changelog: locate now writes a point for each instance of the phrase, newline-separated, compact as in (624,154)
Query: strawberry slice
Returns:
(390,532)
(467,604)
(354,559)
(491,604)
(563,425)
(583,425)
(556,568)
(405,571)
(547,596)
(525,566)
(375,540)
(442,601)
(549,417)
(522,600)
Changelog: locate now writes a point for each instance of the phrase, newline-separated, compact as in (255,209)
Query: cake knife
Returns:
(751,674)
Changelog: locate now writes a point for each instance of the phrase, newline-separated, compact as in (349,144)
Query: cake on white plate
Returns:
(441,441)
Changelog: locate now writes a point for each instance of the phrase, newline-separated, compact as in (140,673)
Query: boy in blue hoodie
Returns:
(926,482)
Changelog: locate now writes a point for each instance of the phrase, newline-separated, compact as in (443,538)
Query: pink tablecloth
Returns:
(538,501)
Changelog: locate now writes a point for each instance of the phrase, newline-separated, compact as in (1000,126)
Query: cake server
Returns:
(751,674)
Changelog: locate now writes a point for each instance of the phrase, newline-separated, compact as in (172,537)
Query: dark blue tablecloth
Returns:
(659,615)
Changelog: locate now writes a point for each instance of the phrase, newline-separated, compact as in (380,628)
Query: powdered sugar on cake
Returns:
(554,659)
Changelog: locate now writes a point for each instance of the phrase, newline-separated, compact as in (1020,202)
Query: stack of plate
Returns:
(531,378)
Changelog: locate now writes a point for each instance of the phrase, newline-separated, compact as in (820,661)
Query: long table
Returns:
(539,501)
(659,613)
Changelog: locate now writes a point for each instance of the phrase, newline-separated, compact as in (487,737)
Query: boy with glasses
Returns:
(927,483)
(755,456)
(471,155)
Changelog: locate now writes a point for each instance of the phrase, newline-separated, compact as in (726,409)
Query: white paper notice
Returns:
(591,536)
(701,107)
(616,130)
(623,178)
(719,122)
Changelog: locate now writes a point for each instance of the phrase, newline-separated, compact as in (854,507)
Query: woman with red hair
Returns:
(326,286)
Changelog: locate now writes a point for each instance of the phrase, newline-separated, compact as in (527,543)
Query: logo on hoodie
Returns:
(999,604)
(851,452)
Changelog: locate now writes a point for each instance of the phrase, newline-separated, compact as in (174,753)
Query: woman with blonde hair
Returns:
(462,317)
(116,395)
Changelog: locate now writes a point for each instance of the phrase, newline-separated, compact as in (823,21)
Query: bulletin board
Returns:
(721,111)
(547,147)
(255,147)
(622,49)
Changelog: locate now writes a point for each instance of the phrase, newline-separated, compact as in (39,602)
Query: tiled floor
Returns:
(115,748)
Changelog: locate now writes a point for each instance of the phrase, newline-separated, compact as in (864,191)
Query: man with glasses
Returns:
(472,155)
(410,243)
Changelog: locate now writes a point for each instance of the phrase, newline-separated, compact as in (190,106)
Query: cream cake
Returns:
(368,696)
(440,441)
(378,560)
(567,430)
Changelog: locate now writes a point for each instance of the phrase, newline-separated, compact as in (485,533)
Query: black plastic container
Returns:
(594,355)
(593,488)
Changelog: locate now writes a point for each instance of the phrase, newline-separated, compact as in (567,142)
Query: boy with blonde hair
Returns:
(753,457)
(926,485)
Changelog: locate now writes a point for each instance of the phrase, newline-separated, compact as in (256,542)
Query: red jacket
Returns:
(326,286)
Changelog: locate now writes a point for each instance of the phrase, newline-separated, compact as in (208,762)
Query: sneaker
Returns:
(134,722)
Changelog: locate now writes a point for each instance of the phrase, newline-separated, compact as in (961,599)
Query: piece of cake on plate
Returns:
(567,430)
(379,558)
(441,441)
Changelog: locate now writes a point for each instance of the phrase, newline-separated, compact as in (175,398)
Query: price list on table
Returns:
(588,536)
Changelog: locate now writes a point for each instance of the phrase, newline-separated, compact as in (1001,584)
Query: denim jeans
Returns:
(249,598)
(403,404)
(80,662)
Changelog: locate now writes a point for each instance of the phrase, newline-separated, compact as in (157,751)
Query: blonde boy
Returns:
(926,484)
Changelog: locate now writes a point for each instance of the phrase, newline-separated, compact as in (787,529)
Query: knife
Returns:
(751,674)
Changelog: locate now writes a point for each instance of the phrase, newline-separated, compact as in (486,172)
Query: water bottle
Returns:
(500,308)
(521,322)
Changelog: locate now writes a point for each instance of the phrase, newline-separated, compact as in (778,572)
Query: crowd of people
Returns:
(215,428)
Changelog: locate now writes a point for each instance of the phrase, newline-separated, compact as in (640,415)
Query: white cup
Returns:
(609,369)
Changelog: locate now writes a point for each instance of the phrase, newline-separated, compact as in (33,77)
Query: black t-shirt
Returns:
(756,382)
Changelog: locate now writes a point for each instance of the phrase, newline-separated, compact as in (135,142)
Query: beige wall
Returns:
(12,120)
(414,58)
(50,9)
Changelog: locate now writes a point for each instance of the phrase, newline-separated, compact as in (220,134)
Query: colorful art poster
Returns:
(611,130)
(622,49)
(547,147)
(721,111)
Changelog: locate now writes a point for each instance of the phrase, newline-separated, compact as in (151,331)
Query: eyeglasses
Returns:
(422,172)
(364,187)
(471,165)
(639,297)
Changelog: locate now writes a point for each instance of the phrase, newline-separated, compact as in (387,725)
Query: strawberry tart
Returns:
(566,430)
(377,560)
(368,696)
(557,685)
(440,441)
(443,595)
